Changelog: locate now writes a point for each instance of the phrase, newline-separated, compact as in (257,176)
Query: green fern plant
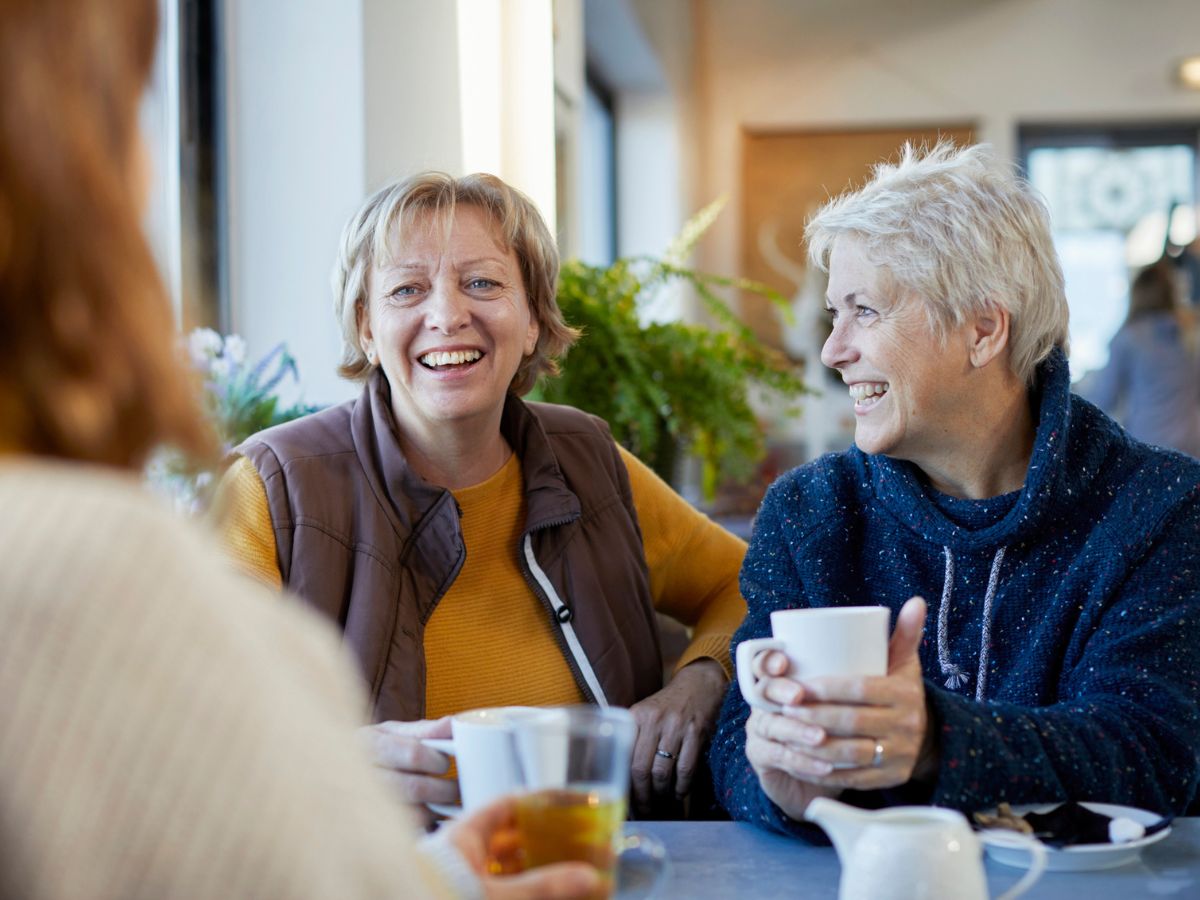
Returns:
(669,387)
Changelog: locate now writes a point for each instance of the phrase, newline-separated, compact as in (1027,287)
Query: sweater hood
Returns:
(899,488)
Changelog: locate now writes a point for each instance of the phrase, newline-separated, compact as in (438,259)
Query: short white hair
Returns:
(964,233)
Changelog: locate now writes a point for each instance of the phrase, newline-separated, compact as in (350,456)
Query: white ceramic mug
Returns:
(483,752)
(835,640)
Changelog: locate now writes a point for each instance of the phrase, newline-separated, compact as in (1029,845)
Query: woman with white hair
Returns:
(1059,554)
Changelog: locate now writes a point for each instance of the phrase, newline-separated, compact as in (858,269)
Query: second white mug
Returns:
(483,752)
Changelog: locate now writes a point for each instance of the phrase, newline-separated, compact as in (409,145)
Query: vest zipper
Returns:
(581,680)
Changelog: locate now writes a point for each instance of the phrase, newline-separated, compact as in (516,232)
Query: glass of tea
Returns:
(573,767)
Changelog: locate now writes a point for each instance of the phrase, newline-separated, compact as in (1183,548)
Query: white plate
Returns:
(449,810)
(1085,856)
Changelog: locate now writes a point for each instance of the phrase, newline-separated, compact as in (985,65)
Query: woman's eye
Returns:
(832,313)
(404,290)
(863,311)
(481,284)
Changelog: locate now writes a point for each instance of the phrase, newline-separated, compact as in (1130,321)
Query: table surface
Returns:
(733,859)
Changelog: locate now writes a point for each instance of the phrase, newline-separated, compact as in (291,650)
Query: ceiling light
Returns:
(1189,73)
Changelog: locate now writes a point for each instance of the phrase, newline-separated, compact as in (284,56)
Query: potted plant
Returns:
(669,387)
(240,400)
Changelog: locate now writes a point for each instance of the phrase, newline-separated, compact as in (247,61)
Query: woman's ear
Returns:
(989,335)
(365,339)
(531,336)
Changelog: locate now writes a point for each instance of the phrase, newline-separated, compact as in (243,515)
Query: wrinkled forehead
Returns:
(856,263)
(406,225)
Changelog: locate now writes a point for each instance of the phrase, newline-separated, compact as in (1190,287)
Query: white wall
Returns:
(160,131)
(822,65)
(655,195)
(411,83)
(296,162)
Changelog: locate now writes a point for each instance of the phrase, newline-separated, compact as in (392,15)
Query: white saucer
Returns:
(1083,857)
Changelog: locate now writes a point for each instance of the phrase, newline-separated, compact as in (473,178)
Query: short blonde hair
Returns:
(433,196)
(965,233)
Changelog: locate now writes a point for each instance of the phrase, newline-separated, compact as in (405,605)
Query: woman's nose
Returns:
(447,310)
(837,350)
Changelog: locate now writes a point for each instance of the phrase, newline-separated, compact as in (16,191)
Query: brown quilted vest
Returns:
(371,545)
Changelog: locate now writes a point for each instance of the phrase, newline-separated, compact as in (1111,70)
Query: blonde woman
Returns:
(478,550)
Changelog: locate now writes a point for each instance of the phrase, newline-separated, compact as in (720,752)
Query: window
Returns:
(597,188)
(1119,198)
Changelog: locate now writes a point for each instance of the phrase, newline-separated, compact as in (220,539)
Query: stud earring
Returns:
(371,357)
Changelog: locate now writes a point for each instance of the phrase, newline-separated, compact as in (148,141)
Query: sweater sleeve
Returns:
(769,581)
(675,535)
(182,733)
(243,519)
(1126,723)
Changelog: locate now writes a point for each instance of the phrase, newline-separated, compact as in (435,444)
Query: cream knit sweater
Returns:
(168,729)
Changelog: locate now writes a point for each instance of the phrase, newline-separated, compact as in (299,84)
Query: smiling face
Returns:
(913,393)
(448,320)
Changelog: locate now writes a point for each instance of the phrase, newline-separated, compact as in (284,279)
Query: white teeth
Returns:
(455,358)
(865,390)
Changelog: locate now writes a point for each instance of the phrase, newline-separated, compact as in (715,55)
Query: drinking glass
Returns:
(573,767)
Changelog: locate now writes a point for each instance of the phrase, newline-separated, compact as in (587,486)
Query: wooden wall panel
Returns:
(786,176)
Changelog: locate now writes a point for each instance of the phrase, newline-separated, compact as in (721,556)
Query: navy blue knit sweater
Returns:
(1075,675)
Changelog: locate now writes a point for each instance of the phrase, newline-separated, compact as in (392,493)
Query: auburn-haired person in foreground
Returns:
(170,730)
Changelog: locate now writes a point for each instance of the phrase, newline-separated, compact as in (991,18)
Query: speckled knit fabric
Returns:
(1091,677)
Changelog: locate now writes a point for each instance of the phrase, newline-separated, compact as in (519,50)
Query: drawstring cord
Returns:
(956,677)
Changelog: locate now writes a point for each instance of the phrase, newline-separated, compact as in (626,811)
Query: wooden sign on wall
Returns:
(786,176)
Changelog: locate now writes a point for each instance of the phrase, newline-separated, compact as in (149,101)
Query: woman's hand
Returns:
(676,720)
(488,841)
(412,767)
(843,732)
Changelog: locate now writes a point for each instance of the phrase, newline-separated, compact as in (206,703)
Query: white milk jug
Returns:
(912,853)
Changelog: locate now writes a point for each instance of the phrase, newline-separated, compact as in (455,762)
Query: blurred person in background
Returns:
(169,728)
(1151,384)
(478,550)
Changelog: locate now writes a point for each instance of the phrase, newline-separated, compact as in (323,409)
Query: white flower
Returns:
(220,368)
(203,344)
(235,349)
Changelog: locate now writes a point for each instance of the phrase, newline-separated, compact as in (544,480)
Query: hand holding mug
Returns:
(483,753)
(415,769)
(839,731)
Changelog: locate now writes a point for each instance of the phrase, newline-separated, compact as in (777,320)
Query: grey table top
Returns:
(735,860)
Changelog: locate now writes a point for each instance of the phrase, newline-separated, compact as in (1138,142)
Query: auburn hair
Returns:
(89,366)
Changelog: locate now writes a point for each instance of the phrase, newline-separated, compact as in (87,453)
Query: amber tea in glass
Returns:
(571,824)
(574,767)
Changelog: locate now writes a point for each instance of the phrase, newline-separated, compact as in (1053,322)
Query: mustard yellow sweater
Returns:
(489,618)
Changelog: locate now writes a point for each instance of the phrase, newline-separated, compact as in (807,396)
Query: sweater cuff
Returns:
(708,646)
(456,872)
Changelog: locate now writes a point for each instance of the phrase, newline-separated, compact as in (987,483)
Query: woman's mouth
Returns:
(867,393)
(441,361)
